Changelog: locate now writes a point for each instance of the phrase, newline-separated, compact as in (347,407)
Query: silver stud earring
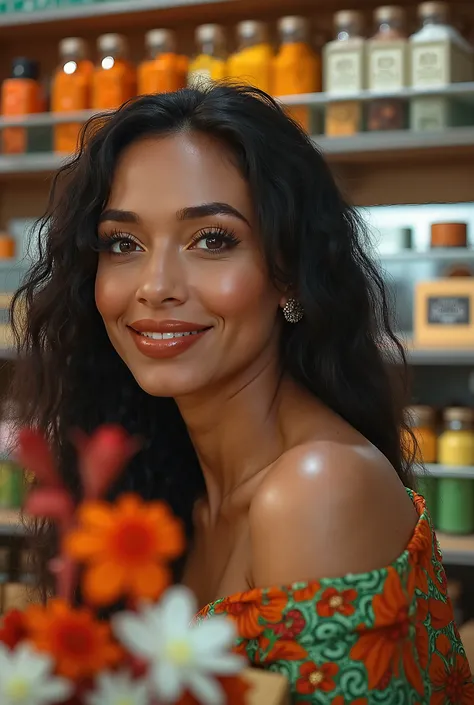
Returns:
(293,311)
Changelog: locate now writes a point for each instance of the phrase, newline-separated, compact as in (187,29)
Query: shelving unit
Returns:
(384,168)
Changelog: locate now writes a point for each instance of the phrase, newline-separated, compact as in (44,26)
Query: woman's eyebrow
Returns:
(206,209)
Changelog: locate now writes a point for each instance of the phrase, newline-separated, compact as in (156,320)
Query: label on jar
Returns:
(200,78)
(344,71)
(386,69)
(430,65)
(449,310)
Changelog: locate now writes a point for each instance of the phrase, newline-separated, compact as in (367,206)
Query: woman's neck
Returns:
(236,428)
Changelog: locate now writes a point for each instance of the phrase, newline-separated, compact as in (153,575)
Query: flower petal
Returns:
(148,581)
(34,454)
(222,665)
(207,690)
(103,583)
(134,634)
(56,690)
(166,681)
(178,605)
(214,634)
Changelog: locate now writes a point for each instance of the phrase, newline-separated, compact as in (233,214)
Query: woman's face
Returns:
(181,284)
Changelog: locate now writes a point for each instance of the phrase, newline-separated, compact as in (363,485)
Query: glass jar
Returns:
(422,423)
(456,495)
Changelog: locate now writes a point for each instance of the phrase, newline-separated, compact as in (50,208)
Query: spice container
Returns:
(387,69)
(394,240)
(21,96)
(456,495)
(422,422)
(439,56)
(114,78)
(7,246)
(210,63)
(344,74)
(449,235)
(297,68)
(252,63)
(162,71)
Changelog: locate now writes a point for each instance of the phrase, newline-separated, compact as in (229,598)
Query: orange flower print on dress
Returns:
(307,593)
(313,678)
(340,700)
(80,645)
(389,645)
(333,601)
(452,682)
(126,548)
(248,608)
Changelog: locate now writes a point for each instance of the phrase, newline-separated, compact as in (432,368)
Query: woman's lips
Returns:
(167,343)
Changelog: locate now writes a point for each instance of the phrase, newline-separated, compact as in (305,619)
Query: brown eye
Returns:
(125,246)
(214,242)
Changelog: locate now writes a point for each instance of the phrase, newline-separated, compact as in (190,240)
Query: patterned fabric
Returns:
(386,637)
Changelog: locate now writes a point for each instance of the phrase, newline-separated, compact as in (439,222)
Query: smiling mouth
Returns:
(169,336)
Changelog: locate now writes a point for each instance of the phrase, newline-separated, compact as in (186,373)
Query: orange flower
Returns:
(452,682)
(307,593)
(282,650)
(313,678)
(333,601)
(389,644)
(125,546)
(234,687)
(245,608)
(80,645)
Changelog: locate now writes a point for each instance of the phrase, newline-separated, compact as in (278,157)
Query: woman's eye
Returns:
(215,242)
(124,247)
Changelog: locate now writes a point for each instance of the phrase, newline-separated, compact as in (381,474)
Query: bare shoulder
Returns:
(326,509)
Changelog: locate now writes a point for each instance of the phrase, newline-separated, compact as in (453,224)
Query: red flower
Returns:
(34,454)
(102,457)
(333,601)
(313,678)
(14,628)
(291,625)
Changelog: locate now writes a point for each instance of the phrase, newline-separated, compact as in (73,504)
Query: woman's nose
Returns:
(163,279)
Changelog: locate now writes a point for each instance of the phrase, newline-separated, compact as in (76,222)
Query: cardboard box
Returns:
(267,688)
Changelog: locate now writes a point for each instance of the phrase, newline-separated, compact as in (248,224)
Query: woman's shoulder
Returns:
(388,631)
(327,509)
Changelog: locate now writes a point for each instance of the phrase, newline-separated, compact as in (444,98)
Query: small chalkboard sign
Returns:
(449,310)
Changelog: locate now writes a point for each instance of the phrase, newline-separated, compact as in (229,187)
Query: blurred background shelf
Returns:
(457,550)
(11,523)
(437,470)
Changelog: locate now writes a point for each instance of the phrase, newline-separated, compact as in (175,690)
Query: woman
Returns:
(204,284)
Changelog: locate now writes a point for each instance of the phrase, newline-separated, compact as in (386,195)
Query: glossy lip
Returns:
(163,349)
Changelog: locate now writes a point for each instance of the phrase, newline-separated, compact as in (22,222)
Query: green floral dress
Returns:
(386,637)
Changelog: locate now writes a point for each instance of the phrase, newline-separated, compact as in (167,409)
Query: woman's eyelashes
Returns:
(213,241)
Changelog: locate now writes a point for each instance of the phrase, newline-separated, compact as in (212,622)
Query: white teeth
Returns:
(168,336)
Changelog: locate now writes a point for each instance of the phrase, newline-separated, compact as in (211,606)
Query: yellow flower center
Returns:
(179,651)
(336,602)
(124,701)
(316,677)
(18,689)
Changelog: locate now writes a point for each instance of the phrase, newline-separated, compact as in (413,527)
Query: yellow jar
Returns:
(456,443)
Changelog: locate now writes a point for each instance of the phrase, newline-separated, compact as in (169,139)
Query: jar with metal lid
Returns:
(456,495)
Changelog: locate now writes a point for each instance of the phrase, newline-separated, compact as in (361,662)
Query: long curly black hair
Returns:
(68,374)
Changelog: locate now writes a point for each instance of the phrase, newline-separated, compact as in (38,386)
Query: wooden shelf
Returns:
(457,550)
(10,523)
(446,471)
(448,254)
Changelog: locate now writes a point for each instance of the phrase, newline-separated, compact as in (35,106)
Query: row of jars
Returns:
(450,500)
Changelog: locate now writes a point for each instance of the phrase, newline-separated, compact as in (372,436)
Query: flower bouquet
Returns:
(152,652)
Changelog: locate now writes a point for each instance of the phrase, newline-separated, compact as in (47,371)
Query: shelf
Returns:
(10,523)
(362,148)
(321,100)
(427,356)
(454,254)
(143,14)
(456,550)
(446,471)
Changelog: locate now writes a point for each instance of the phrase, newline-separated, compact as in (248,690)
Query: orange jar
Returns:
(422,421)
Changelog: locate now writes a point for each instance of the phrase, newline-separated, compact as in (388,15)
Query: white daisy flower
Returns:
(118,689)
(25,678)
(181,656)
